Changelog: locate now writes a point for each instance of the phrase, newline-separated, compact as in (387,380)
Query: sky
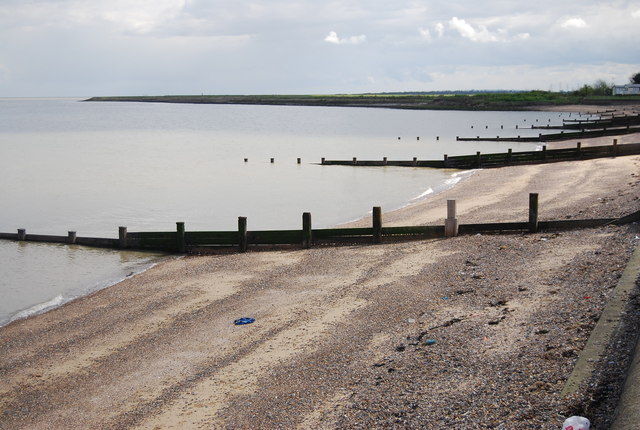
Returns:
(57,48)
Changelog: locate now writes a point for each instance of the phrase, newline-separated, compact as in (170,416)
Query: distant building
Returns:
(626,90)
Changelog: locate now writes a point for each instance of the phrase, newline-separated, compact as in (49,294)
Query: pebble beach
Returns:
(471,332)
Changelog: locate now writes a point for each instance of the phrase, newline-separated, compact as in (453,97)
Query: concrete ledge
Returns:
(604,330)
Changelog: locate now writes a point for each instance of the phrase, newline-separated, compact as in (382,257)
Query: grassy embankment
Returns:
(479,101)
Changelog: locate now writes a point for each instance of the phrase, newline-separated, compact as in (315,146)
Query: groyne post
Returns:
(384,161)
(377,224)
(544,152)
(445,162)
(122,237)
(451,222)
(579,149)
(615,147)
(509,155)
(299,160)
(72,236)
(306,230)
(322,161)
(242,233)
(415,161)
(22,234)
(533,212)
(180,237)
(355,161)
(478,159)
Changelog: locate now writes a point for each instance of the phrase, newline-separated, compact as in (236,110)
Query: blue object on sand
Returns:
(243,321)
(430,342)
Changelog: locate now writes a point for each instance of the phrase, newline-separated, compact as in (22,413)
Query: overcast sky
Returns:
(151,47)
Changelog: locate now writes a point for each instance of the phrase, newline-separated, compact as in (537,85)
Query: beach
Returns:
(469,332)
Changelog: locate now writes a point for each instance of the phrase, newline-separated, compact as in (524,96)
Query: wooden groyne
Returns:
(509,158)
(584,133)
(182,241)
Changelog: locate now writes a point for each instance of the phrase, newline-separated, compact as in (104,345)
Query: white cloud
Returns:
(424,33)
(466,30)
(574,23)
(439,29)
(353,40)
(636,14)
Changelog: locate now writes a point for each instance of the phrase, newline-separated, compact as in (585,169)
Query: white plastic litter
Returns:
(576,423)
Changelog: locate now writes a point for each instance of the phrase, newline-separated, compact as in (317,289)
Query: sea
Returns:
(90,167)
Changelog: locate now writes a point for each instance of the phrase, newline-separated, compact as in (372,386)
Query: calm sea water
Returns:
(91,167)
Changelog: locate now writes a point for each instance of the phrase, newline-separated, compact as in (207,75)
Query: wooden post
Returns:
(180,237)
(273,160)
(384,161)
(437,137)
(306,230)
(22,234)
(509,155)
(579,149)
(544,152)
(322,161)
(478,159)
(242,233)
(415,161)
(615,147)
(122,237)
(299,160)
(246,159)
(446,160)
(377,224)
(355,161)
(72,237)
(451,222)
(533,212)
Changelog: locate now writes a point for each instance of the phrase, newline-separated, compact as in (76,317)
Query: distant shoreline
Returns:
(532,100)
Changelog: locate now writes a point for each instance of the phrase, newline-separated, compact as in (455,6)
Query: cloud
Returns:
(353,40)
(636,14)
(574,23)
(424,33)
(466,30)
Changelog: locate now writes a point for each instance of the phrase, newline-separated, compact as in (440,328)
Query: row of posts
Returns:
(450,227)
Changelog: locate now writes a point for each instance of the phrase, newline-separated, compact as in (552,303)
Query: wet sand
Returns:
(470,332)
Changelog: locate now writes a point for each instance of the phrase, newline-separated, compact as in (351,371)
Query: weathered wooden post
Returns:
(384,161)
(355,161)
(509,155)
(544,152)
(273,160)
(122,237)
(579,149)
(478,159)
(306,230)
(533,212)
(451,222)
(22,234)
(299,160)
(377,224)
(246,159)
(72,237)
(415,161)
(445,162)
(437,137)
(242,233)
(614,148)
(180,237)
(322,161)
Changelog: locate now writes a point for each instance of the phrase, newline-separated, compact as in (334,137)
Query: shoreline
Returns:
(340,337)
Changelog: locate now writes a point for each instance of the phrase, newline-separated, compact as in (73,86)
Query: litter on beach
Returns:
(243,321)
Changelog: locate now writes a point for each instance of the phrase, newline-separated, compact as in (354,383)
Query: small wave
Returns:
(423,195)
(39,308)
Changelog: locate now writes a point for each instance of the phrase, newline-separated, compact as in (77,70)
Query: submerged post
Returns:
(377,224)
(242,233)
(306,230)
(72,237)
(451,222)
(180,237)
(122,237)
(22,234)
(533,212)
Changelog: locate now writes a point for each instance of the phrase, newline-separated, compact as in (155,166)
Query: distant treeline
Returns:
(451,100)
